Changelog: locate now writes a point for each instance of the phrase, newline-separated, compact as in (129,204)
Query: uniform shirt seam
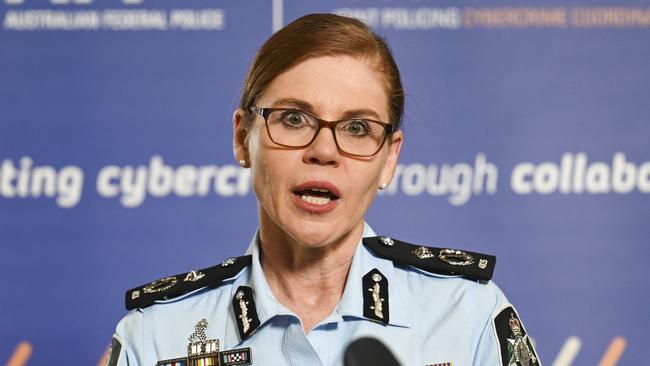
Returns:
(144,353)
(486,323)
(420,329)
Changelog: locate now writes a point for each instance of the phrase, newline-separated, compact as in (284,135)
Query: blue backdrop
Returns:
(527,130)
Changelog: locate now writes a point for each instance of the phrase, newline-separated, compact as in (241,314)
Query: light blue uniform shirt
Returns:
(433,319)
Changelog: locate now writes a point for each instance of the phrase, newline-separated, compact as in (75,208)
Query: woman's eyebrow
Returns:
(307,107)
(295,103)
(355,113)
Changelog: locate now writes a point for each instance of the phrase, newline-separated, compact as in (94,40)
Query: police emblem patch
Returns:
(516,349)
(116,349)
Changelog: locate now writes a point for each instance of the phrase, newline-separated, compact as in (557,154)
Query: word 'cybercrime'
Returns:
(131,184)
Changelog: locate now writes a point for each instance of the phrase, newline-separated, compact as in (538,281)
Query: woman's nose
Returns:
(323,149)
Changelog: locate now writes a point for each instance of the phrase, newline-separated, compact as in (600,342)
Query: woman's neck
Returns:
(309,280)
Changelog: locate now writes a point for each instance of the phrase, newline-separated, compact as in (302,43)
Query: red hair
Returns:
(317,35)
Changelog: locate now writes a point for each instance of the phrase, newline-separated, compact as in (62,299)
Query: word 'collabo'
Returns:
(575,174)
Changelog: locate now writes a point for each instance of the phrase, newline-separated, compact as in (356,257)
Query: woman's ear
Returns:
(394,147)
(239,135)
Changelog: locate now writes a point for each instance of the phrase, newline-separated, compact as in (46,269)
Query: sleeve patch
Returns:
(515,347)
(116,349)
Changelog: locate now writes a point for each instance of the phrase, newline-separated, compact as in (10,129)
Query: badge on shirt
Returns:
(516,349)
(243,305)
(375,296)
(202,351)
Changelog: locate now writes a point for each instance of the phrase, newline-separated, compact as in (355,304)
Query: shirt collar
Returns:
(265,302)
(351,303)
(364,261)
(267,305)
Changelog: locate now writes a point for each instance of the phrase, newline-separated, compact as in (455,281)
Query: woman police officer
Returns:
(319,127)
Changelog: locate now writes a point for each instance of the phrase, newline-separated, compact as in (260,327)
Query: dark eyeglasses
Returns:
(297,129)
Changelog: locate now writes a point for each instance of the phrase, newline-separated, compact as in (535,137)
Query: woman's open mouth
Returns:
(316,197)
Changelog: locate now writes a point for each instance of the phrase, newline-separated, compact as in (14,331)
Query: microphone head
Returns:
(368,351)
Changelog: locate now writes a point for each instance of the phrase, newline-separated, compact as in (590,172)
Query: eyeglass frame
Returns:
(266,112)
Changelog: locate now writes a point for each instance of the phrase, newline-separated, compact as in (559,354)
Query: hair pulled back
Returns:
(317,35)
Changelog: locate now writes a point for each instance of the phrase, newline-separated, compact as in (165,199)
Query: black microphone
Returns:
(368,352)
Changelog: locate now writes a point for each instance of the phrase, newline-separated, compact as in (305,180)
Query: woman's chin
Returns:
(316,235)
(306,230)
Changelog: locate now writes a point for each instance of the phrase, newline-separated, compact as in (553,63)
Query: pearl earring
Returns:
(242,163)
(383,185)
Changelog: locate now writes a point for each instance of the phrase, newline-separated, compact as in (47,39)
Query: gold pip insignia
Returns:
(205,352)
(228,262)
(423,253)
(194,276)
(387,241)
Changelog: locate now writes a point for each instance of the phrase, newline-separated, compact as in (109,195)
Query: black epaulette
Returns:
(180,284)
(470,265)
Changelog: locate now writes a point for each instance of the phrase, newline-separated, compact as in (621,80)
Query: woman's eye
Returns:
(357,128)
(293,119)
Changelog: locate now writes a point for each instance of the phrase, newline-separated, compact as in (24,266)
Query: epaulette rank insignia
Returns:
(181,284)
(469,265)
